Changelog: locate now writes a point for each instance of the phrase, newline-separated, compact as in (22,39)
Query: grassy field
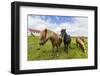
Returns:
(35,52)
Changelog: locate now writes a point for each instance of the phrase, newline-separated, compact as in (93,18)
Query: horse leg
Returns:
(67,49)
(53,51)
(57,51)
(64,47)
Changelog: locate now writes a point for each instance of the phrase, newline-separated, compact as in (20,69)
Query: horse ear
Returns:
(45,30)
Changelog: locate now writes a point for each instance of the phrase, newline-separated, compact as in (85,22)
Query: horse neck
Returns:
(47,37)
(66,34)
(50,35)
(46,40)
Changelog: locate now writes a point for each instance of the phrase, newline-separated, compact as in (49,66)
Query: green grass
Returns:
(35,52)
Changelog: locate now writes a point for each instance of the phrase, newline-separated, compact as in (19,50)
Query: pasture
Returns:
(35,52)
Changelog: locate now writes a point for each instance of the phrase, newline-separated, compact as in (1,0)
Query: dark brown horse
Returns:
(55,39)
(66,39)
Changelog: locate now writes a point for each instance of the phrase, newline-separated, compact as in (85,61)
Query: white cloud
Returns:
(36,23)
(79,28)
(75,29)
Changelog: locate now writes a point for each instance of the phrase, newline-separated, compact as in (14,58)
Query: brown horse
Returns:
(82,38)
(80,42)
(55,39)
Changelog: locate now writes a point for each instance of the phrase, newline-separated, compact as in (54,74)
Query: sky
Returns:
(74,25)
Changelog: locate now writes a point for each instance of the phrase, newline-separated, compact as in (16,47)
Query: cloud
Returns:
(36,23)
(78,28)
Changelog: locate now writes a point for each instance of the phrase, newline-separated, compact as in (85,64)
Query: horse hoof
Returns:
(52,55)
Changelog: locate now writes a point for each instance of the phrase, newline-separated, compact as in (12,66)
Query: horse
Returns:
(82,38)
(55,39)
(80,42)
(66,39)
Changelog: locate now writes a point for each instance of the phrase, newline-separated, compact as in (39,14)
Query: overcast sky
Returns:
(74,25)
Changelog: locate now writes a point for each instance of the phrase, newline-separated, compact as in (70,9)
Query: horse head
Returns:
(43,37)
(63,32)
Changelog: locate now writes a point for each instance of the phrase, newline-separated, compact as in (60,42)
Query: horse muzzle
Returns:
(41,43)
